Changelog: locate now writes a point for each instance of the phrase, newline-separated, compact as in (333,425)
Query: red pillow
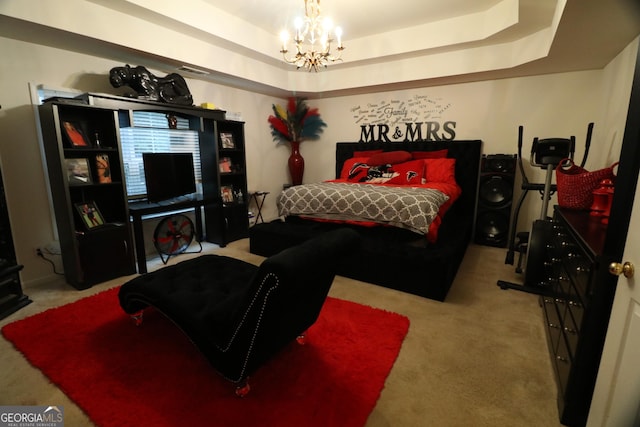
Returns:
(407,173)
(437,154)
(349,167)
(389,158)
(367,153)
(440,170)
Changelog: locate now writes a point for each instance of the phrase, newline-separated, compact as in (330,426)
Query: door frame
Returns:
(625,191)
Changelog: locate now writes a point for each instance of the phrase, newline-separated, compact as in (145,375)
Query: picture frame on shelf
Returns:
(78,171)
(75,135)
(103,168)
(226,191)
(225,165)
(226,140)
(90,215)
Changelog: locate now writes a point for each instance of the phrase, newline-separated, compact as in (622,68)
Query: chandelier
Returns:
(312,39)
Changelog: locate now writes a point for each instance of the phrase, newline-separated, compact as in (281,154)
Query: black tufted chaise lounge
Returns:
(237,314)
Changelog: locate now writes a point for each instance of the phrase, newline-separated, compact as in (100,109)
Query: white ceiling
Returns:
(357,18)
(595,29)
(389,45)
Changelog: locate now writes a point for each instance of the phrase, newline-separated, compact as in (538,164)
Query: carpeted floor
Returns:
(478,359)
(153,372)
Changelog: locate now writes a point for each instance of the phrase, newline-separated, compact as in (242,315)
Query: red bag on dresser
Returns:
(576,184)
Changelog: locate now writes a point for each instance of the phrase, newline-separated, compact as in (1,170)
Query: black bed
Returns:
(393,257)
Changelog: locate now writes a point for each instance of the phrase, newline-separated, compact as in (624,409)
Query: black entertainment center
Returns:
(82,140)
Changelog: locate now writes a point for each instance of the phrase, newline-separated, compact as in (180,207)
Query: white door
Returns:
(616,398)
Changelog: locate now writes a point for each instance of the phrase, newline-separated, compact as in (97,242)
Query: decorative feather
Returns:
(292,106)
(295,123)
(280,112)
(312,112)
(278,127)
(313,127)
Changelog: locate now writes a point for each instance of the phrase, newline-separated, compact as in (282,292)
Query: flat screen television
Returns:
(168,175)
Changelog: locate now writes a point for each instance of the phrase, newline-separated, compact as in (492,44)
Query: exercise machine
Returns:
(546,154)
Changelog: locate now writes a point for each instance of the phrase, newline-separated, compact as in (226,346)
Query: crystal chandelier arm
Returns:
(314,31)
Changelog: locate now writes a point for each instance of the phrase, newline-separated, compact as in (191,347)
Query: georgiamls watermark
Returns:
(31,416)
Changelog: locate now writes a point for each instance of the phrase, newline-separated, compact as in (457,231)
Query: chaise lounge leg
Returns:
(243,388)
(302,338)
(137,317)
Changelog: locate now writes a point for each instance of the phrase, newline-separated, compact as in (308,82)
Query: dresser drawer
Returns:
(576,308)
(571,332)
(563,364)
(552,322)
(573,300)
(578,267)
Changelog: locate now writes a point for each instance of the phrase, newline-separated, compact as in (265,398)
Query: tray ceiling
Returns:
(389,45)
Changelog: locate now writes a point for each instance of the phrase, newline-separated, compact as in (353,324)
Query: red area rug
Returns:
(121,375)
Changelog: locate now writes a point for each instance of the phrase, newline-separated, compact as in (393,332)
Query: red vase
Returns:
(296,163)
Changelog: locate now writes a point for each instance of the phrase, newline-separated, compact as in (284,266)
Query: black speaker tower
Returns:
(495,197)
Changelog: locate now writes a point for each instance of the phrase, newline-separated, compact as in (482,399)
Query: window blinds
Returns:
(150,133)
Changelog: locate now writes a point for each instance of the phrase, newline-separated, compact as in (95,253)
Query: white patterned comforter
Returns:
(405,207)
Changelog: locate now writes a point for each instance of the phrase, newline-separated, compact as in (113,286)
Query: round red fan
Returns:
(173,235)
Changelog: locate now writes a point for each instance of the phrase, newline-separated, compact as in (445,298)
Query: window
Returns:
(150,133)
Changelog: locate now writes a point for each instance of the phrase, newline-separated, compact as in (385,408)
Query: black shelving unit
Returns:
(84,163)
(226,180)
(11,296)
(92,255)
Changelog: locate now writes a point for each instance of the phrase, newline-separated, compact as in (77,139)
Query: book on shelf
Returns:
(225,165)
(226,140)
(226,191)
(103,168)
(90,215)
(78,171)
(75,135)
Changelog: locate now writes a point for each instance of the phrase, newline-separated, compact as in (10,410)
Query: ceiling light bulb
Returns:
(298,25)
(327,24)
(284,37)
(338,32)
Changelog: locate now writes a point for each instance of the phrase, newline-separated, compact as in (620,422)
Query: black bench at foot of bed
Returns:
(396,259)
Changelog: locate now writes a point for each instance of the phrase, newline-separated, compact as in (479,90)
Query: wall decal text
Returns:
(417,119)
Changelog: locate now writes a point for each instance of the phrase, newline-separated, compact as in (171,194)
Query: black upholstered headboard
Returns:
(466,153)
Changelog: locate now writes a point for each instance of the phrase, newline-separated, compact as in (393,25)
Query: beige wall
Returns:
(614,101)
(547,106)
(25,182)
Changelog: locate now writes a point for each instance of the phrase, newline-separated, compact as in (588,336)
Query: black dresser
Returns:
(11,296)
(577,312)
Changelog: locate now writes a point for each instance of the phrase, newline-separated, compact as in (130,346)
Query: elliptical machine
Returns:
(546,154)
